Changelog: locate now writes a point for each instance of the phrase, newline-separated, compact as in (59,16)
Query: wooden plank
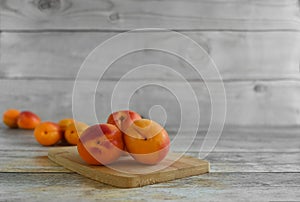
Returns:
(248,103)
(28,161)
(233,140)
(238,56)
(127,173)
(213,187)
(253,161)
(238,150)
(12,140)
(130,14)
(37,161)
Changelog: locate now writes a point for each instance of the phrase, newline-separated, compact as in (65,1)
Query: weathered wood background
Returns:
(255,44)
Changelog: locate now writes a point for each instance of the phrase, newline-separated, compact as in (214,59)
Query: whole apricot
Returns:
(47,133)
(64,123)
(123,119)
(10,118)
(100,144)
(28,120)
(73,132)
(147,141)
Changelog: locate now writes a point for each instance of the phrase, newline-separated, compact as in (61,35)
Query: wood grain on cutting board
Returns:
(126,172)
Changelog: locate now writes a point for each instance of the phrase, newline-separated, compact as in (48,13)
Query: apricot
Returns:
(100,144)
(73,132)
(10,118)
(64,123)
(147,141)
(47,133)
(123,119)
(28,120)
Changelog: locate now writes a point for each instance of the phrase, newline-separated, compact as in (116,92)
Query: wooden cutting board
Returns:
(126,172)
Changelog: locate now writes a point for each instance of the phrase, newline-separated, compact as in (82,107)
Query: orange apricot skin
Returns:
(147,142)
(100,144)
(73,132)
(64,123)
(10,118)
(28,120)
(123,119)
(47,133)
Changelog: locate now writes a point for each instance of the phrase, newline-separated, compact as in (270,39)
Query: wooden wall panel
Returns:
(248,103)
(255,44)
(238,55)
(131,14)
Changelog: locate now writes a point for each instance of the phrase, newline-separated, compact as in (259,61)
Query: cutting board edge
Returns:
(58,160)
(133,181)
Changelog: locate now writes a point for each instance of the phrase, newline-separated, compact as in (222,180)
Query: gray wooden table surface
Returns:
(246,165)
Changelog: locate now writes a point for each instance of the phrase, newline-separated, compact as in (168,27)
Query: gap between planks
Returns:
(122,31)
